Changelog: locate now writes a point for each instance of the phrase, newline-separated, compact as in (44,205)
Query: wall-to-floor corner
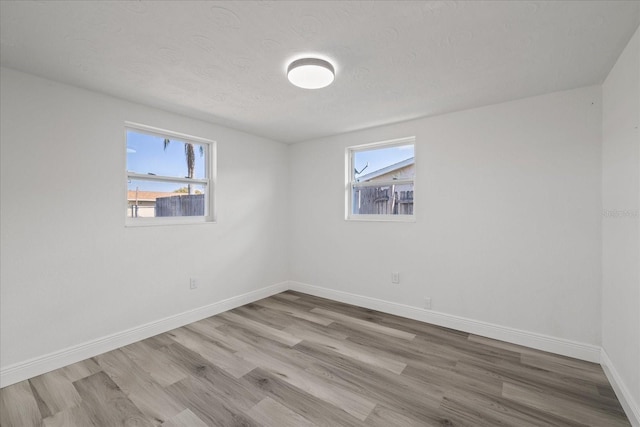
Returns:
(59,358)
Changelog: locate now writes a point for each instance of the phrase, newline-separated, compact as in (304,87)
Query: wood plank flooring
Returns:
(298,360)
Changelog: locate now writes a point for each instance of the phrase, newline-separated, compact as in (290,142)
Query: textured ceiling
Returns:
(225,62)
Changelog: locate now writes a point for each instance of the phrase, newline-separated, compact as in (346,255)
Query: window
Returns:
(380,180)
(169,177)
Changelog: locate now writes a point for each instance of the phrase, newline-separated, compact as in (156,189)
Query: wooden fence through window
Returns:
(183,205)
(383,201)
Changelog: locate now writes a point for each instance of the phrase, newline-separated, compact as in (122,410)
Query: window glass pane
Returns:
(383,200)
(384,163)
(147,199)
(149,154)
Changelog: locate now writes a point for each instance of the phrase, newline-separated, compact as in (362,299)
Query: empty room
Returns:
(319,213)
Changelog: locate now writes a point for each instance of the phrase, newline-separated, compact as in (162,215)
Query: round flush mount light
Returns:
(311,73)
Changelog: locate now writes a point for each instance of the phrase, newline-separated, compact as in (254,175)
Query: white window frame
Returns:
(351,182)
(208,182)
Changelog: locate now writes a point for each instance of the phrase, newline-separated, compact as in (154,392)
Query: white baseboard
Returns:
(631,408)
(58,359)
(39,365)
(582,351)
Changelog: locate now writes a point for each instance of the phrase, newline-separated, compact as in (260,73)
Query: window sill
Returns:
(382,218)
(159,222)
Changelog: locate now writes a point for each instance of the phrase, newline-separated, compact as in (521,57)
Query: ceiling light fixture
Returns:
(311,73)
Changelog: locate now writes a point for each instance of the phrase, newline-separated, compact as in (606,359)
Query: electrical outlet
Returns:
(427,303)
(193,283)
(395,277)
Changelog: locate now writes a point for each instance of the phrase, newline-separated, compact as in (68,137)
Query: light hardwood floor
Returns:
(298,360)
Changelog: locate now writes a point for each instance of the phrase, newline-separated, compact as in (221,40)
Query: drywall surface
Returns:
(71,271)
(508,217)
(620,222)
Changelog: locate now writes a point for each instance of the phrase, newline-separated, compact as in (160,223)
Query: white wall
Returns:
(508,226)
(71,271)
(620,230)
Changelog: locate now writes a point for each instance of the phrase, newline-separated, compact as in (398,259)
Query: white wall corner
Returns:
(564,347)
(58,359)
(631,408)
